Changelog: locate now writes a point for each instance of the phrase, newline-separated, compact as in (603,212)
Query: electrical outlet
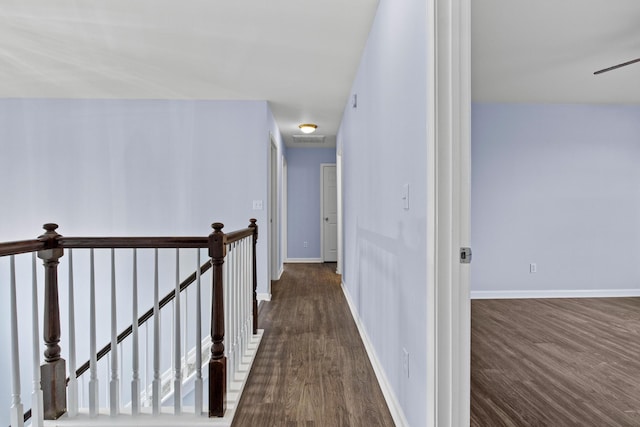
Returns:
(257,205)
(305,244)
(533,268)
(405,362)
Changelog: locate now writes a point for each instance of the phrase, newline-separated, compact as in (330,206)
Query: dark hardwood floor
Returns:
(555,362)
(311,368)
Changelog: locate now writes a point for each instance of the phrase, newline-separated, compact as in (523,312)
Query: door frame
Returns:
(322,166)
(339,195)
(284,215)
(448,212)
(272,214)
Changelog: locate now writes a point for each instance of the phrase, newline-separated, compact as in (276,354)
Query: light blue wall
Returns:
(128,167)
(281,156)
(384,147)
(303,194)
(559,186)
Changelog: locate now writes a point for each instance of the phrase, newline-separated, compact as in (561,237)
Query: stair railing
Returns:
(232,259)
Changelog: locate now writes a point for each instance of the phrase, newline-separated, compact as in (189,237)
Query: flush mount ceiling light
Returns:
(308,127)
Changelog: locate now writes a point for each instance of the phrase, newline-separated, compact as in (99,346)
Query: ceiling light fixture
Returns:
(308,127)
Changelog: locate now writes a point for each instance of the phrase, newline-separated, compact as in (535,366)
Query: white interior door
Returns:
(329,213)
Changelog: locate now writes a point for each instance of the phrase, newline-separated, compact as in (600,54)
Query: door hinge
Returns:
(465,255)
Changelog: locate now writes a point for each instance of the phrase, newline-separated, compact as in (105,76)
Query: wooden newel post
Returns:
(218,362)
(53,371)
(255,275)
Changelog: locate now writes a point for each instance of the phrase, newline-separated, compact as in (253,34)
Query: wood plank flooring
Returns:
(555,362)
(311,368)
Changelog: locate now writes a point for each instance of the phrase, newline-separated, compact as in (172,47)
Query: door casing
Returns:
(322,222)
(449,213)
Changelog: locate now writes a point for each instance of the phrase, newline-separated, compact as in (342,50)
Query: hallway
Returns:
(312,368)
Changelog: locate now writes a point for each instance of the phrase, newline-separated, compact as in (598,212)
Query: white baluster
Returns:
(243,297)
(156,340)
(121,368)
(93,357)
(135,348)
(83,391)
(247,294)
(243,293)
(249,283)
(107,376)
(17,411)
(37,410)
(146,401)
(240,310)
(185,333)
(72,386)
(227,274)
(114,384)
(235,305)
(247,299)
(177,357)
(198,382)
(237,308)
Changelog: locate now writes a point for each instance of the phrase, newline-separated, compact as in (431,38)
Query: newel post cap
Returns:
(50,239)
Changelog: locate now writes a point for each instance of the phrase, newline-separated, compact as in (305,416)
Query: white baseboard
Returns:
(281,271)
(389,396)
(584,293)
(263,296)
(303,260)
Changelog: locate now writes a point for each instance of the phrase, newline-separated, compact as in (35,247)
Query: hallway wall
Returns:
(384,147)
(303,210)
(555,185)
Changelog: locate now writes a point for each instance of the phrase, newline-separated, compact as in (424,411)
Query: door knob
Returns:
(327,219)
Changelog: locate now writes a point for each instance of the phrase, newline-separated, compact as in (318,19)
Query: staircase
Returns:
(157,371)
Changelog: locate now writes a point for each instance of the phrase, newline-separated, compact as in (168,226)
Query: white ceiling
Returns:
(547,51)
(300,55)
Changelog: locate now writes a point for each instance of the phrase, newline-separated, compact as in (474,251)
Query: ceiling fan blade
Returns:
(633,61)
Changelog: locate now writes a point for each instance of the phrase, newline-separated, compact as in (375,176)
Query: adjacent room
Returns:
(555,214)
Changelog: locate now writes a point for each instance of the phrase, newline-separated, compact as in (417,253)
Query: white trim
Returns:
(263,296)
(389,396)
(322,166)
(462,206)
(431,306)
(281,271)
(303,261)
(448,213)
(339,205)
(274,209)
(560,293)
(285,215)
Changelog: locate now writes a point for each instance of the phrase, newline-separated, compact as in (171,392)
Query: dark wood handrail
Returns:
(234,236)
(146,316)
(26,246)
(21,247)
(132,242)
